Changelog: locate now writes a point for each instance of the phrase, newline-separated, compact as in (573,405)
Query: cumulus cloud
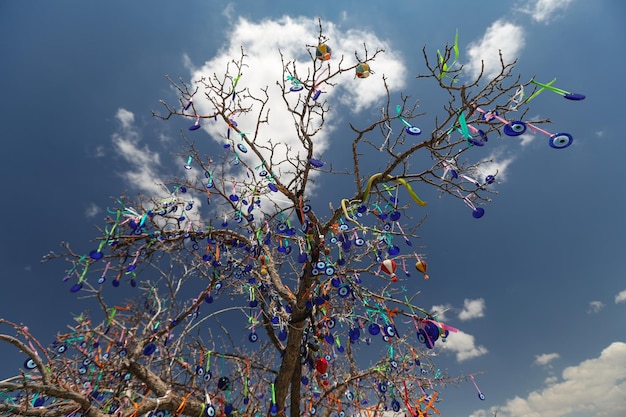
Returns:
(496,163)
(440,310)
(543,11)
(472,309)
(263,42)
(595,387)
(143,162)
(125,117)
(526,138)
(545,358)
(621,297)
(502,36)
(92,210)
(595,306)
(464,346)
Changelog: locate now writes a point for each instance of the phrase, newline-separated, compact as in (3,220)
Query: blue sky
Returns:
(537,286)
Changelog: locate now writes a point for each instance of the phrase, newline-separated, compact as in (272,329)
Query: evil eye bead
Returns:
(413,130)
(199,370)
(207,376)
(489,179)
(343,291)
(349,396)
(354,334)
(382,387)
(253,337)
(432,331)
(61,348)
(321,265)
(481,396)
(330,271)
(149,349)
(242,148)
(515,128)
(393,250)
(490,115)
(95,255)
(421,336)
(395,216)
(395,405)
(296,87)
(30,364)
(373,328)
(574,96)
(195,126)
(390,330)
(210,411)
(475,142)
(561,140)
(223,383)
(478,212)
(359,242)
(331,323)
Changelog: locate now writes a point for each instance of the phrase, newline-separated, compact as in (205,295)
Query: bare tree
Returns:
(238,243)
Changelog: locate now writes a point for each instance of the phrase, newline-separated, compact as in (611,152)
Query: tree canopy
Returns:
(252,294)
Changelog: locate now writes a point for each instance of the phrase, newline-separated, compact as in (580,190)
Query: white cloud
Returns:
(229,11)
(595,387)
(143,162)
(500,36)
(495,164)
(545,10)
(621,297)
(526,138)
(551,380)
(125,117)
(595,306)
(261,42)
(439,310)
(545,358)
(463,345)
(472,309)
(92,210)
